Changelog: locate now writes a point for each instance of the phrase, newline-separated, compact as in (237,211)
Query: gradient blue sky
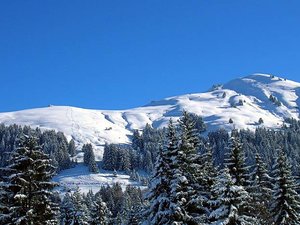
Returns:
(118,54)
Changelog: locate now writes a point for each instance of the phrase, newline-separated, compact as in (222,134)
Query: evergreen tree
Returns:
(89,158)
(191,166)
(72,148)
(133,218)
(205,179)
(67,210)
(88,200)
(235,161)
(199,124)
(239,171)
(124,159)
(56,144)
(110,157)
(53,143)
(117,195)
(218,141)
(137,141)
(100,214)
(74,211)
(183,167)
(159,193)
(209,170)
(286,204)
(230,202)
(152,141)
(118,220)
(261,189)
(27,189)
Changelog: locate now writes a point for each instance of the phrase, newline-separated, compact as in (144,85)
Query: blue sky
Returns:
(117,54)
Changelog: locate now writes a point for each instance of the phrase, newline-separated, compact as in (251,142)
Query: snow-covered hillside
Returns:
(245,100)
(79,176)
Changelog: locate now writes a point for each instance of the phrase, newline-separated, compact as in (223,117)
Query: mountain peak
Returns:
(259,75)
(243,100)
(263,78)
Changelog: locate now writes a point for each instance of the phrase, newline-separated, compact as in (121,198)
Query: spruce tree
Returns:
(205,180)
(199,123)
(133,218)
(286,203)
(184,166)
(137,141)
(209,170)
(88,200)
(261,190)
(89,158)
(119,219)
(230,202)
(72,148)
(235,161)
(100,214)
(74,211)
(67,210)
(192,168)
(159,193)
(110,155)
(239,171)
(27,189)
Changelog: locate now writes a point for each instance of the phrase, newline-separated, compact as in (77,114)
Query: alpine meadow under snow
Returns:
(249,102)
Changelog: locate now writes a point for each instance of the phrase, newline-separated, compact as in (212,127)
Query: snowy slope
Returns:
(105,126)
(79,176)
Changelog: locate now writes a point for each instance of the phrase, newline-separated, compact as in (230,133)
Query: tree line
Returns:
(143,152)
(187,187)
(28,195)
(241,177)
(53,143)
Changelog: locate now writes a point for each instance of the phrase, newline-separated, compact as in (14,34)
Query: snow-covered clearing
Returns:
(81,177)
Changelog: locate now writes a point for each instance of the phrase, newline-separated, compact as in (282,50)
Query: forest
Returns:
(195,176)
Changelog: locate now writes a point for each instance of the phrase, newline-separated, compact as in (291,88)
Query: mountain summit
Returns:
(248,102)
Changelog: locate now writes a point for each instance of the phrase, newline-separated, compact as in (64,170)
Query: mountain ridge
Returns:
(244,100)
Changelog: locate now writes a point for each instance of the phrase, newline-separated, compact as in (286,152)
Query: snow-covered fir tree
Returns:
(88,200)
(261,190)
(230,202)
(147,161)
(235,161)
(136,204)
(285,200)
(200,126)
(27,189)
(137,141)
(119,219)
(209,170)
(100,214)
(191,165)
(133,218)
(73,209)
(67,210)
(206,177)
(159,194)
(89,158)
(183,166)
(72,148)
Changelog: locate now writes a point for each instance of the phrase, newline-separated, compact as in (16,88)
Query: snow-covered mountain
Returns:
(244,100)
